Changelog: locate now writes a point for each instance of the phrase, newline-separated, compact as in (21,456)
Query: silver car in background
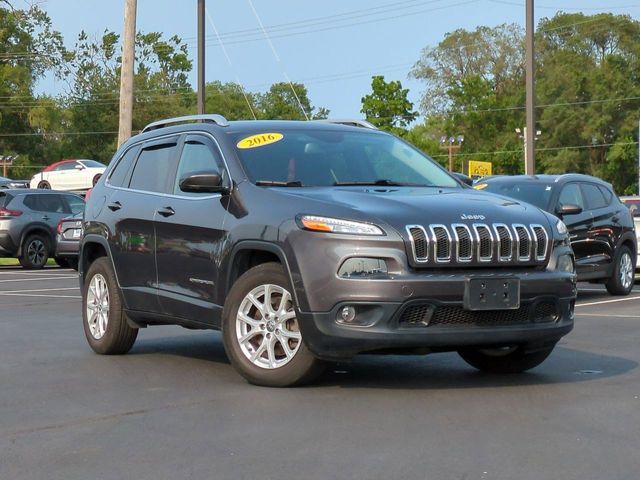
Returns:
(634,206)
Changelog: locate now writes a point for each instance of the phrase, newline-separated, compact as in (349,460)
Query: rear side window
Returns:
(120,173)
(593,196)
(66,166)
(152,172)
(608,194)
(51,203)
(5,199)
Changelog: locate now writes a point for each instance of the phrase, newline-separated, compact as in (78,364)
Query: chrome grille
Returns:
(479,242)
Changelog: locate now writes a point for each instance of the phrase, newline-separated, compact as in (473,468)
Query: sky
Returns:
(332,46)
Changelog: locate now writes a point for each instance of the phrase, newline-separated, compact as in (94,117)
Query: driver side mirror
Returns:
(79,167)
(568,209)
(203,182)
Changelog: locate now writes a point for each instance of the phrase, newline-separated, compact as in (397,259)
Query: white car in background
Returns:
(69,175)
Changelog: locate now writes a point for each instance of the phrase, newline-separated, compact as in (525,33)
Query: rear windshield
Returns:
(326,158)
(537,194)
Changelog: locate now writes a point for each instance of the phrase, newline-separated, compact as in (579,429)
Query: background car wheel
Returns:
(505,360)
(35,252)
(104,320)
(621,282)
(62,262)
(261,333)
(95,179)
(44,185)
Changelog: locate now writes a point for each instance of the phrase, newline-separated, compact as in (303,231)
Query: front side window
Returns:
(152,172)
(331,157)
(571,195)
(197,156)
(537,194)
(65,166)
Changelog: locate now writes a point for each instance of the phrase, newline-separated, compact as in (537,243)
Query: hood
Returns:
(402,206)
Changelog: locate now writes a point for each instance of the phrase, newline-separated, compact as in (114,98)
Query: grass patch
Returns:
(13,262)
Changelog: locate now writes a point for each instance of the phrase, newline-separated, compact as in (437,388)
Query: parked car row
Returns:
(601,227)
(69,175)
(31,221)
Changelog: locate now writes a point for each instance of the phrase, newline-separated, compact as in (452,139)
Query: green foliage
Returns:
(388,107)
(587,91)
(281,103)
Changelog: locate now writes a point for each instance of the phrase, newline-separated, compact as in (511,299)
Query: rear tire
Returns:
(105,323)
(95,179)
(35,252)
(505,360)
(621,282)
(44,185)
(261,332)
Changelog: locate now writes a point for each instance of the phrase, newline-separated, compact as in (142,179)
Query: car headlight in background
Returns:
(335,225)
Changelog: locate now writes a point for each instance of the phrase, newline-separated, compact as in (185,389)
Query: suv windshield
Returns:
(537,194)
(336,158)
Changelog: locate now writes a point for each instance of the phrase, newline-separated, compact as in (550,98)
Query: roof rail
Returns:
(215,118)
(352,122)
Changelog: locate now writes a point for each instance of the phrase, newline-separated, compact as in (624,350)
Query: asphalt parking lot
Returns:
(175,409)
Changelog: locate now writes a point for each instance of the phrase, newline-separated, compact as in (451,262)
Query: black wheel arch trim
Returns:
(300,299)
(89,239)
(38,228)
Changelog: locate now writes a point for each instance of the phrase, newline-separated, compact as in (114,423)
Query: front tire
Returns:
(261,333)
(44,185)
(103,317)
(35,252)
(621,282)
(505,360)
(95,180)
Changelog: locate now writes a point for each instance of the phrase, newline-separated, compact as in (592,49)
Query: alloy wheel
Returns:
(37,252)
(626,271)
(266,327)
(98,306)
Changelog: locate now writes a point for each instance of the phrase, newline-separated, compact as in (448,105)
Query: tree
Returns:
(280,102)
(388,107)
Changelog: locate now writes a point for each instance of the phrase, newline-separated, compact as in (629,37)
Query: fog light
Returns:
(363,267)
(346,314)
(566,264)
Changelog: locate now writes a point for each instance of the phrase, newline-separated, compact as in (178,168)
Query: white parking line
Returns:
(39,290)
(635,317)
(37,295)
(39,279)
(602,302)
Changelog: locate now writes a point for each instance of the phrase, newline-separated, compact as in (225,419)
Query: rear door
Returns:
(135,191)
(190,235)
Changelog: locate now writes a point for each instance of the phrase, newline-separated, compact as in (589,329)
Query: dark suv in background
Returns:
(312,241)
(601,227)
(28,222)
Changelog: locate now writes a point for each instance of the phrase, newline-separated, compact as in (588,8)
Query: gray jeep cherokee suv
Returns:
(307,242)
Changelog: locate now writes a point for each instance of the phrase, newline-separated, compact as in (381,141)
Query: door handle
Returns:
(166,211)
(115,206)
(45,217)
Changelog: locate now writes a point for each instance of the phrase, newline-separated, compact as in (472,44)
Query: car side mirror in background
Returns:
(202,182)
(462,178)
(568,209)
(79,167)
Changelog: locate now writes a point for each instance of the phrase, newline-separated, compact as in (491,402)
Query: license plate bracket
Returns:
(492,293)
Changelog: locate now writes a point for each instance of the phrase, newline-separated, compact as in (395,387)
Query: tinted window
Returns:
(152,170)
(119,174)
(537,194)
(322,157)
(608,194)
(66,166)
(593,196)
(571,195)
(92,164)
(46,203)
(76,204)
(4,199)
(197,156)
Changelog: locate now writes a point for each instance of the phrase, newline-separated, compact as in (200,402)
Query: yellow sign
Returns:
(260,140)
(480,169)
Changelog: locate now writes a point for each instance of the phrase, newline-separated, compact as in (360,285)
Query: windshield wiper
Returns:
(274,183)
(381,182)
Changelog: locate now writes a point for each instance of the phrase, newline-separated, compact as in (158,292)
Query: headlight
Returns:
(562,228)
(335,225)
(566,263)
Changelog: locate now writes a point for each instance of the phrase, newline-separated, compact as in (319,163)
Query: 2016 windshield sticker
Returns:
(260,140)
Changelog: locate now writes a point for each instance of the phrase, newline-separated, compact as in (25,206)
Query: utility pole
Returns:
(529,142)
(126,74)
(451,146)
(525,138)
(201,56)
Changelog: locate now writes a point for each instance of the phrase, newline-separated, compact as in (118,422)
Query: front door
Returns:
(579,227)
(190,235)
